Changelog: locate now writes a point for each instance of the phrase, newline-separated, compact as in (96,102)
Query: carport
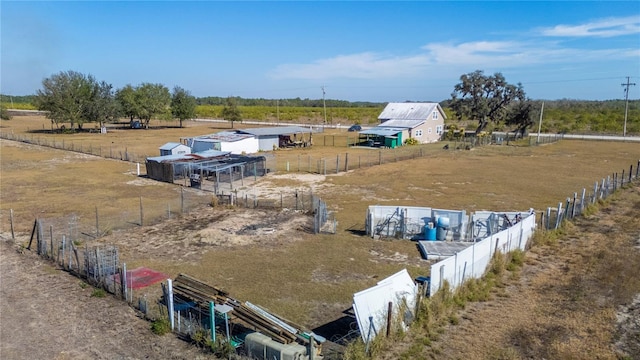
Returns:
(381,137)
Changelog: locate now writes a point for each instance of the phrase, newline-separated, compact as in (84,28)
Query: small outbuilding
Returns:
(382,137)
(226,141)
(271,138)
(174,148)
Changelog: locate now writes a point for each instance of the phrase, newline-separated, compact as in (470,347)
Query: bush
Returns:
(99,293)
(161,326)
(4,115)
(411,141)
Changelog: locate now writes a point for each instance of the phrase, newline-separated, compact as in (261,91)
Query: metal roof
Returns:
(403,124)
(170,145)
(225,136)
(276,130)
(380,131)
(208,154)
(409,111)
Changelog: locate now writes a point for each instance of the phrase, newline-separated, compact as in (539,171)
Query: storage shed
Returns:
(233,142)
(174,148)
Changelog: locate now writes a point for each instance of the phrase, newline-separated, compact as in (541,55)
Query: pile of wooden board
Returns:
(247,315)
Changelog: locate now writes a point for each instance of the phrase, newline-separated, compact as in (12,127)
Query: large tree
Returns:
(126,98)
(153,100)
(485,98)
(103,107)
(231,112)
(183,105)
(67,97)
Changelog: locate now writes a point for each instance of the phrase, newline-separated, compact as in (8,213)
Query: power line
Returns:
(626,106)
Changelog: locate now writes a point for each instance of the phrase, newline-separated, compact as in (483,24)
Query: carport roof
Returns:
(208,154)
(380,131)
(276,130)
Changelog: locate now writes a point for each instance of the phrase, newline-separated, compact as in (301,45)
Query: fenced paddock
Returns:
(473,261)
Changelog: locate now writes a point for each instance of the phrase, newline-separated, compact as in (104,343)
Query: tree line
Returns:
(75,98)
(491,101)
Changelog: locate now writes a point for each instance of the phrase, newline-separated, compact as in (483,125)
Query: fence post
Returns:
(212,320)
(97,224)
(630,172)
(170,302)
(622,179)
(13,235)
(582,200)
(559,214)
(123,281)
(141,213)
(51,239)
(337,163)
(182,199)
(346,162)
(64,241)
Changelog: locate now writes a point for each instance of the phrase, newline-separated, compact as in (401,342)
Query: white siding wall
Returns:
(247,146)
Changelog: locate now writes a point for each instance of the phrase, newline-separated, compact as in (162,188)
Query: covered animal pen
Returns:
(207,170)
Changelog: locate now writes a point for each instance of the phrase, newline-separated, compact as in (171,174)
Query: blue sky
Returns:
(359,51)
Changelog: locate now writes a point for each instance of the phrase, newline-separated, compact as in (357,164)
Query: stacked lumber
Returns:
(190,289)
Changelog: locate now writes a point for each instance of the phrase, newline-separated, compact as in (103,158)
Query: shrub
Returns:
(411,141)
(161,326)
(99,293)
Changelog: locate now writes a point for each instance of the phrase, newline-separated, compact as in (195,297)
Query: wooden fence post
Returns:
(13,234)
(141,213)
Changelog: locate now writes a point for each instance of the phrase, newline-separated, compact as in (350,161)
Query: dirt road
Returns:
(48,314)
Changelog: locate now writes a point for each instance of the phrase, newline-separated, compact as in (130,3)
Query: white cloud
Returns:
(436,59)
(609,27)
(366,65)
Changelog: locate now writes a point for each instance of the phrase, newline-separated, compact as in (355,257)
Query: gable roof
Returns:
(276,130)
(223,136)
(399,123)
(170,146)
(410,111)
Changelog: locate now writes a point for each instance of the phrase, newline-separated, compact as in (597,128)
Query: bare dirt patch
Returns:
(186,238)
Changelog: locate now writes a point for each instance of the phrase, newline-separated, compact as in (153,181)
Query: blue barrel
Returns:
(430,233)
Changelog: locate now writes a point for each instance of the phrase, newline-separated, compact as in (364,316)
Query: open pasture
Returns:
(307,278)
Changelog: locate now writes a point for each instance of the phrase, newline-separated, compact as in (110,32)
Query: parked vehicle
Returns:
(355,128)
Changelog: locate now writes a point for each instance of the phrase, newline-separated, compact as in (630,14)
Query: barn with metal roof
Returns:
(270,138)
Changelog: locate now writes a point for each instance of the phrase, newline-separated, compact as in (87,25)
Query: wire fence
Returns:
(576,204)
(108,152)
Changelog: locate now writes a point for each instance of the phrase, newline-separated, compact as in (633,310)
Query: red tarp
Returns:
(142,277)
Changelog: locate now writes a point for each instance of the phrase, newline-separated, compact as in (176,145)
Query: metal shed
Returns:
(270,138)
(174,148)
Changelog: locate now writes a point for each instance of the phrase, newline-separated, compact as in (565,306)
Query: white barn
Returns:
(224,141)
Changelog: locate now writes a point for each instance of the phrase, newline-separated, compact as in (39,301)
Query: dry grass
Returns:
(312,279)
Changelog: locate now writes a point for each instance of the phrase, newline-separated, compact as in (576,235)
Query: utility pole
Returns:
(278,110)
(540,123)
(324,106)
(626,106)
